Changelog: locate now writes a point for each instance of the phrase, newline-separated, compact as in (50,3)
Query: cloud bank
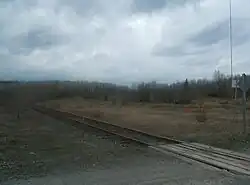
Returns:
(121,41)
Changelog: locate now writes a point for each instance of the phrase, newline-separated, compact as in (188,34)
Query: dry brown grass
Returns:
(220,119)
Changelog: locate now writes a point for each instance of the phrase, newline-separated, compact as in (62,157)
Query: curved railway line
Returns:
(234,162)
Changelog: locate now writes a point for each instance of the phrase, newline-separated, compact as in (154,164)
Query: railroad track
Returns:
(220,158)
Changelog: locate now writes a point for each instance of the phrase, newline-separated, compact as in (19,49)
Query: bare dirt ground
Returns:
(147,169)
(39,150)
(29,148)
(222,127)
(36,145)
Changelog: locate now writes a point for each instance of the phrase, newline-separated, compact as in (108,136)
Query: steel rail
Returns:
(219,158)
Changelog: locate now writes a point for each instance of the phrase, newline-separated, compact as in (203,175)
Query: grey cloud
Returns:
(241,39)
(111,40)
(211,34)
(241,31)
(219,31)
(7,1)
(7,61)
(169,51)
(32,74)
(148,5)
(177,51)
(10,65)
(82,7)
(42,38)
(18,4)
(13,68)
(89,8)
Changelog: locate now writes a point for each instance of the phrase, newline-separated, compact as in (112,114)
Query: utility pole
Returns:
(231,47)
(244,87)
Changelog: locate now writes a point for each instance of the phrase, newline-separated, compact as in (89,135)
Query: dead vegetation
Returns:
(208,121)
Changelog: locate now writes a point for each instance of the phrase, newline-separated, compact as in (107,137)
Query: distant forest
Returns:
(19,96)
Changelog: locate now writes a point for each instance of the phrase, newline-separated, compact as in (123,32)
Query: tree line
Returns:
(20,96)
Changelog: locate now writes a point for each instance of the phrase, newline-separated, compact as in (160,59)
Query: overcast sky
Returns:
(121,41)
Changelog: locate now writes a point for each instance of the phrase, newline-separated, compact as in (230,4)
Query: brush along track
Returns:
(223,159)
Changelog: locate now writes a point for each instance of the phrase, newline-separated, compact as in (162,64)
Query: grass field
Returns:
(221,124)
